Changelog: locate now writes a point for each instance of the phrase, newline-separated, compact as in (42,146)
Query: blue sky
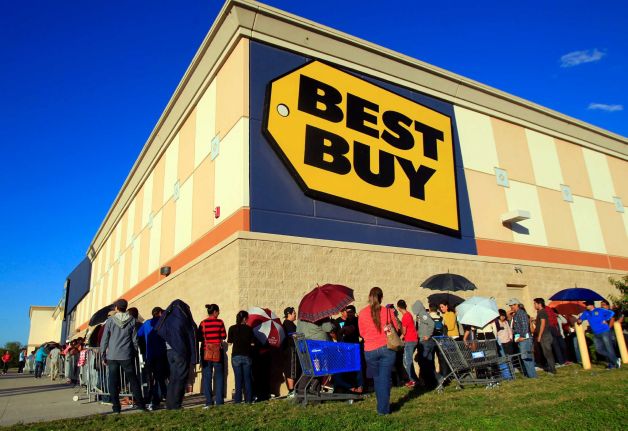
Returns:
(84,82)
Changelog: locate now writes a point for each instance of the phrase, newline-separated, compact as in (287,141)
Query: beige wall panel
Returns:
(112,246)
(147,205)
(599,175)
(545,162)
(144,241)
(41,328)
(128,260)
(158,184)
(130,212)
(102,294)
(232,89)
(573,168)
(123,232)
(118,241)
(619,173)
(613,229)
(625,217)
(587,224)
(113,289)
(521,196)
(119,288)
(488,202)
(232,171)
(139,206)
(136,250)
(171,175)
(559,225)
(203,199)
(183,227)
(155,243)
(187,136)
(476,141)
(512,151)
(167,231)
(205,124)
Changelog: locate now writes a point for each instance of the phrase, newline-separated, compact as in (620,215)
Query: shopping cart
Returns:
(320,359)
(475,362)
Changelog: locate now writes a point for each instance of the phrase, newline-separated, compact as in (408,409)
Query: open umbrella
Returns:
(266,326)
(101,315)
(576,294)
(448,282)
(477,311)
(324,301)
(452,300)
(567,307)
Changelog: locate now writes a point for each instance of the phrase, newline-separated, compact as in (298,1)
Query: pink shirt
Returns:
(408,322)
(372,338)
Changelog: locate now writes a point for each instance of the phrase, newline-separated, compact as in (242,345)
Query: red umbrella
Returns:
(324,301)
(567,307)
(266,326)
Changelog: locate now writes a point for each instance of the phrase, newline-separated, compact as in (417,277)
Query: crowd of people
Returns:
(171,344)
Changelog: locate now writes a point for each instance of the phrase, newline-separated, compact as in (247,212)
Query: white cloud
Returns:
(579,57)
(605,107)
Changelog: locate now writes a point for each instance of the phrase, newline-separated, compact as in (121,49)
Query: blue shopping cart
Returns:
(320,359)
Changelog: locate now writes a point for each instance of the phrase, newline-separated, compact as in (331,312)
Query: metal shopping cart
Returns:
(475,362)
(320,359)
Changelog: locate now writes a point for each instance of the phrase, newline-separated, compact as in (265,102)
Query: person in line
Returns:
(212,333)
(522,336)
(411,339)
(178,329)
(558,343)
(241,336)
(319,330)
(599,319)
(54,357)
(425,326)
(30,362)
(6,358)
(374,322)
(40,361)
(347,331)
(291,366)
(155,359)
(119,348)
(21,361)
(543,335)
(504,334)
(449,320)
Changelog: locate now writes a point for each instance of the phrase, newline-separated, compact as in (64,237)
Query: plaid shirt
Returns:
(521,323)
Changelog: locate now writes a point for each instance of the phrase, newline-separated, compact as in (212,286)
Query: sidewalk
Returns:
(26,399)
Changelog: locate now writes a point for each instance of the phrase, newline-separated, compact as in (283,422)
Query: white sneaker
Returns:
(618,362)
(290,395)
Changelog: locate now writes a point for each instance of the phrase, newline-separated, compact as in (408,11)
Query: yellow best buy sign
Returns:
(356,144)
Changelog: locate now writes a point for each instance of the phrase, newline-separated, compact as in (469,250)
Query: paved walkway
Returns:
(26,399)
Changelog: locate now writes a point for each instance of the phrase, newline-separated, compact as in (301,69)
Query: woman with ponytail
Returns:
(374,322)
(241,336)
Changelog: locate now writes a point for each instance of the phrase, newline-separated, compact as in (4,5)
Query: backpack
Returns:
(439,327)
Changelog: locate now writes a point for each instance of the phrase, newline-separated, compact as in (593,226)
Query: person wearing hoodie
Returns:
(119,347)
(425,330)
(178,329)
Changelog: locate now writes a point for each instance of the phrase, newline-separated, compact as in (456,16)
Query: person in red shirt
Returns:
(374,322)
(6,358)
(212,334)
(411,339)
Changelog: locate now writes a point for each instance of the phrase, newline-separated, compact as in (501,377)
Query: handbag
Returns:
(212,352)
(393,341)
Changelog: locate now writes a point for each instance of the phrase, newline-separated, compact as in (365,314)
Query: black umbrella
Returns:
(448,282)
(101,315)
(452,300)
(576,294)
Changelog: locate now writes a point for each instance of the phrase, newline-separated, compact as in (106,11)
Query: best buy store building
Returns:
(292,154)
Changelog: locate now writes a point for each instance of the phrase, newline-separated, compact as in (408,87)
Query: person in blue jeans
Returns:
(522,336)
(599,319)
(241,336)
(212,332)
(374,322)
